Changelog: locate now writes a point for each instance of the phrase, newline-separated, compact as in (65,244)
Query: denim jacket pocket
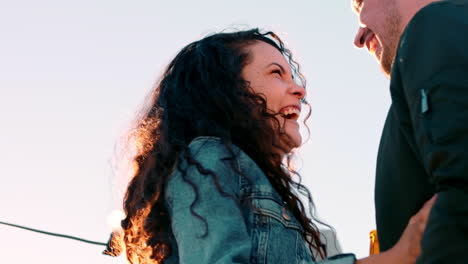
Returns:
(277,234)
(271,207)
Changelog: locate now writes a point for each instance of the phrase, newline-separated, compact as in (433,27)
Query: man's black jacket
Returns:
(424,145)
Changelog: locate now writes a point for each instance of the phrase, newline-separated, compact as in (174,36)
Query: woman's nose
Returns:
(298,90)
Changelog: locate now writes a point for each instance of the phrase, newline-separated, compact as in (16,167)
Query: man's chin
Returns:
(386,71)
(386,67)
(386,62)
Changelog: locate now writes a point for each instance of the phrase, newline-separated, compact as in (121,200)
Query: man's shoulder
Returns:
(444,5)
(455,2)
(442,12)
(436,23)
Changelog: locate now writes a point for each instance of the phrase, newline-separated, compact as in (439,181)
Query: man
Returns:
(422,46)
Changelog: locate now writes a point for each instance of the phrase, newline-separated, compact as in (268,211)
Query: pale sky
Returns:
(73,73)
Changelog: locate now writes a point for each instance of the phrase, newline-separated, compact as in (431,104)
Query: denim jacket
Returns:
(234,231)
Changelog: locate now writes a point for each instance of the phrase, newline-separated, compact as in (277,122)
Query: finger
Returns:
(423,214)
(428,205)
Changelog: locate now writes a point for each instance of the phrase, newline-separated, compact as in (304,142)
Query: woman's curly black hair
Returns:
(202,93)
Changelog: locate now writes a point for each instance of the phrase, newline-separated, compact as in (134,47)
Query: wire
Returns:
(55,234)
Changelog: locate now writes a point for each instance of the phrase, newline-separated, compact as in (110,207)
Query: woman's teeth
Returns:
(290,113)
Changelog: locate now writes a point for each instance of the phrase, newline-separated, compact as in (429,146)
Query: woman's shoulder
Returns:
(214,154)
(213,149)
(207,163)
(209,153)
(207,144)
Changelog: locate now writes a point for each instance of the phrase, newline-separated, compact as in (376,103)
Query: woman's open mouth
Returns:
(290,112)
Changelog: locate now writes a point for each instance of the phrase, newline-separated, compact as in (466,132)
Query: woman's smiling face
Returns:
(269,74)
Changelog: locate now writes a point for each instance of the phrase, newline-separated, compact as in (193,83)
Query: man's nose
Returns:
(359,39)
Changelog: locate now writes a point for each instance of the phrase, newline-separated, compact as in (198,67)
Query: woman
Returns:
(212,181)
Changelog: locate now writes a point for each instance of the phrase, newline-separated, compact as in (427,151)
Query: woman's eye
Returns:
(276,72)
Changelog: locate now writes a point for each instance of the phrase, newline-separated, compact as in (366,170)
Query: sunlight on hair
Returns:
(294,161)
(114,219)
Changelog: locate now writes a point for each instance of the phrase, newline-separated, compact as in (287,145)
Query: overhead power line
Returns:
(55,234)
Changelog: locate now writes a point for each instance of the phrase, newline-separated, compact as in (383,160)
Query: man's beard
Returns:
(392,37)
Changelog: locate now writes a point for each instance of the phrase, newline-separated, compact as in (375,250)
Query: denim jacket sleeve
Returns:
(340,259)
(224,238)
